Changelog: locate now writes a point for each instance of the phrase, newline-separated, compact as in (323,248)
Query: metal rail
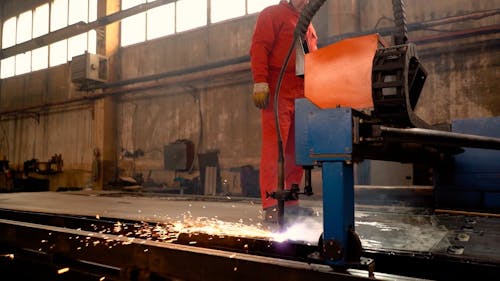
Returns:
(439,138)
(163,260)
(80,244)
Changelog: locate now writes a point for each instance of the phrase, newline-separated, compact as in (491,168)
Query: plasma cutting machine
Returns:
(361,95)
(336,138)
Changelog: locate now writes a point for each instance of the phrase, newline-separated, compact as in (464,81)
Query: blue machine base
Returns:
(473,181)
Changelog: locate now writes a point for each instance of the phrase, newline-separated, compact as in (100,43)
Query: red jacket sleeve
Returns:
(261,47)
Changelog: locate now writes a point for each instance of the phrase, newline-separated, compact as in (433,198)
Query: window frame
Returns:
(42,21)
(249,9)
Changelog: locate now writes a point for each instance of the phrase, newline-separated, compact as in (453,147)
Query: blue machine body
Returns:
(473,180)
(324,137)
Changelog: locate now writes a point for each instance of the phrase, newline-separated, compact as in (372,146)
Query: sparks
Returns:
(306,231)
(63,270)
(219,228)
(9,256)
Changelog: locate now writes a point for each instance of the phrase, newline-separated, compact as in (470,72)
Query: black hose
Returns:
(281,158)
(401,34)
(300,29)
(306,16)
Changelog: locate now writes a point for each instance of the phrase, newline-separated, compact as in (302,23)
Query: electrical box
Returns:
(89,68)
(178,156)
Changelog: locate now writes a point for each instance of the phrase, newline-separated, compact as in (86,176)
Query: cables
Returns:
(401,33)
(300,29)
(306,16)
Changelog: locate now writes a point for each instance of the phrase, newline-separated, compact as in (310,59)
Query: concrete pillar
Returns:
(108,37)
(105,141)
(105,131)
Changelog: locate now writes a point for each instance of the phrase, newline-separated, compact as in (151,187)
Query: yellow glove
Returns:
(260,95)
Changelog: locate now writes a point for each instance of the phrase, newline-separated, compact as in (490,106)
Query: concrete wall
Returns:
(461,81)
(216,113)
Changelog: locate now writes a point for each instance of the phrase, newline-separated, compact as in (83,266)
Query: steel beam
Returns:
(167,260)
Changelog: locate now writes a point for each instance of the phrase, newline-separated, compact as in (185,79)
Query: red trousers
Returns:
(292,87)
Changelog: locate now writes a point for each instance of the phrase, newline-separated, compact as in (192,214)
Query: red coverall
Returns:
(270,43)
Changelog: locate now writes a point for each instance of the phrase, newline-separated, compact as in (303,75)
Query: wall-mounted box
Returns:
(89,68)
(178,156)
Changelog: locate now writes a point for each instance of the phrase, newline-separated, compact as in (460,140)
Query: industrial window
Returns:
(190,14)
(78,11)
(164,20)
(37,22)
(68,12)
(152,24)
(254,6)
(161,21)
(222,9)
(134,27)
(23,34)
(8,67)
(40,56)
(182,15)
(24,27)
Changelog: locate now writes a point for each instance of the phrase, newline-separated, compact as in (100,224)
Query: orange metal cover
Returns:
(340,74)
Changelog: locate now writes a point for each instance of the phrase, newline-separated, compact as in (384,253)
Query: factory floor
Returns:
(388,227)
(393,229)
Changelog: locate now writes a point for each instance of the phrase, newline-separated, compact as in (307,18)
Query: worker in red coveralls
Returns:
(271,41)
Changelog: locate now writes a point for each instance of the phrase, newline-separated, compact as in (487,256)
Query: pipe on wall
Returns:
(418,26)
(242,63)
(178,78)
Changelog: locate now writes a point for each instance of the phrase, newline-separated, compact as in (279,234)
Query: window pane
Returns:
(58,53)
(59,14)
(223,9)
(78,11)
(133,29)
(191,14)
(92,34)
(9,33)
(92,44)
(131,3)
(41,20)
(255,6)
(8,67)
(92,10)
(77,45)
(24,27)
(40,58)
(23,63)
(161,21)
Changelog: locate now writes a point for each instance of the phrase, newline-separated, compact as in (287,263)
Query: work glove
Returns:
(260,95)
